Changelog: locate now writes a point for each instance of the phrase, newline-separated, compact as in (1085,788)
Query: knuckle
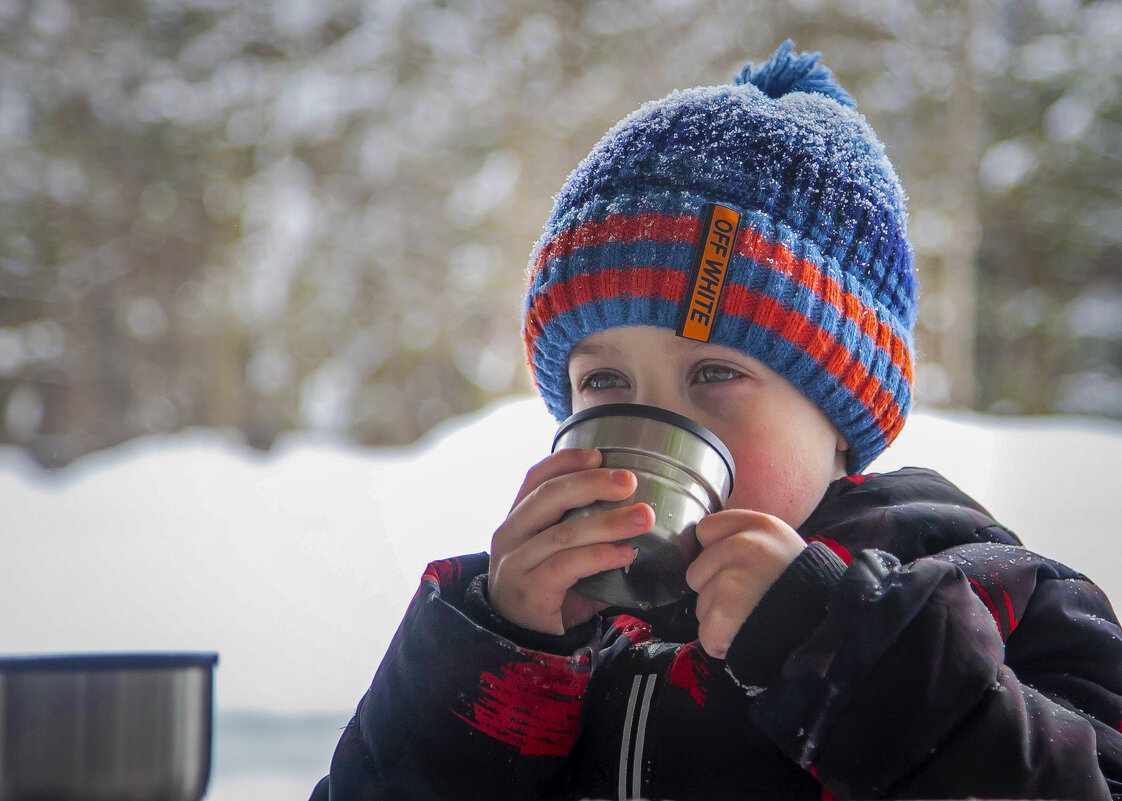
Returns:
(747,547)
(534,496)
(725,585)
(564,534)
(561,567)
(752,547)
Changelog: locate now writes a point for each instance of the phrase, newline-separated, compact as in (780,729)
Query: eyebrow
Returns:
(592,349)
(586,348)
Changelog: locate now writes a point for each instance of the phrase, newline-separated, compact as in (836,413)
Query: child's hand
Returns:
(742,554)
(536,559)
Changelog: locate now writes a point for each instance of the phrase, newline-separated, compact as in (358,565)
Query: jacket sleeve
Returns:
(933,680)
(453,704)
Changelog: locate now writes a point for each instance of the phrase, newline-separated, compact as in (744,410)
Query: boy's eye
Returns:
(603,380)
(715,373)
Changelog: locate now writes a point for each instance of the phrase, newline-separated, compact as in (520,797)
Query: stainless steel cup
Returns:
(106,727)
(684,472)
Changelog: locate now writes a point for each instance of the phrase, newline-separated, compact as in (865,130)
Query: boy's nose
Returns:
(668,401)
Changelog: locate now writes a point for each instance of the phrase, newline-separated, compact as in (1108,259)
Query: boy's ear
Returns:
(841,455)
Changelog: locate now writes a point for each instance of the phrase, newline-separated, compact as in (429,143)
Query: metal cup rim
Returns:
(652,413)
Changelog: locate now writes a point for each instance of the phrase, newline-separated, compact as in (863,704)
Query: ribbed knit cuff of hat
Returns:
(478,607)
(789,610)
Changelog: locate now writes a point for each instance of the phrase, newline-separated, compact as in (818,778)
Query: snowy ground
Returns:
(296,565)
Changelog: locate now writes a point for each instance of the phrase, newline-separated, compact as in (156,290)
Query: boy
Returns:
(852,636)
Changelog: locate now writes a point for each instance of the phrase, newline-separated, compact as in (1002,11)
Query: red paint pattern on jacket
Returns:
(445,572)
(532,705)
(826,794)
(690,671)
(861,478)
(835,546)
(1011,616)
(635,630)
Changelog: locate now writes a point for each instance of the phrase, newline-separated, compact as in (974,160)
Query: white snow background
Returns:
(296,565)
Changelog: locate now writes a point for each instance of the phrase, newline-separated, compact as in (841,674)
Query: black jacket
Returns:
(914,650)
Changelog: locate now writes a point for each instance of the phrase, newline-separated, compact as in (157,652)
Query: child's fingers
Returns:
(567,460)
(728,584)
(528,584)
(544,506)
(719,525)
(743,551)
(558,543)
(720,615)
(536,557)
(759,543)
(563,569)
(734,571)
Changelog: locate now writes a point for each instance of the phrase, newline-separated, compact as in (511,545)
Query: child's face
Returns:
(786,450)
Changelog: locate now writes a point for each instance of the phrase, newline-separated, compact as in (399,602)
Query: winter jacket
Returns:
(913,650)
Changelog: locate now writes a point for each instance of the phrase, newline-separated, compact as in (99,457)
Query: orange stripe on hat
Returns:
(618,229)
(819,344)
(623,282)
(780,258)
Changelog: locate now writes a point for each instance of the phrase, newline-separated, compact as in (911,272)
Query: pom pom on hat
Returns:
(783,73)
(818,283)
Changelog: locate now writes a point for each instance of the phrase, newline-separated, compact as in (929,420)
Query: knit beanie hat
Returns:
(761,215)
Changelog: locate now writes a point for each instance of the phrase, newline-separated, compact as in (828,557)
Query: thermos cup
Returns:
(684,472)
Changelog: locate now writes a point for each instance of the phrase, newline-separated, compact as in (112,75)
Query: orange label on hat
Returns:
(714,251)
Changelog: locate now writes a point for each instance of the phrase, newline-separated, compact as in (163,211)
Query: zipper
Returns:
(634,737)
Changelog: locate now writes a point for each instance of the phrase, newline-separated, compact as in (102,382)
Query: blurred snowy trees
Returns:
(1050,206)
(316,213)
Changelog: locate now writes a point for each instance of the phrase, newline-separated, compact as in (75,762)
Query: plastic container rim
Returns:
(61,663)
